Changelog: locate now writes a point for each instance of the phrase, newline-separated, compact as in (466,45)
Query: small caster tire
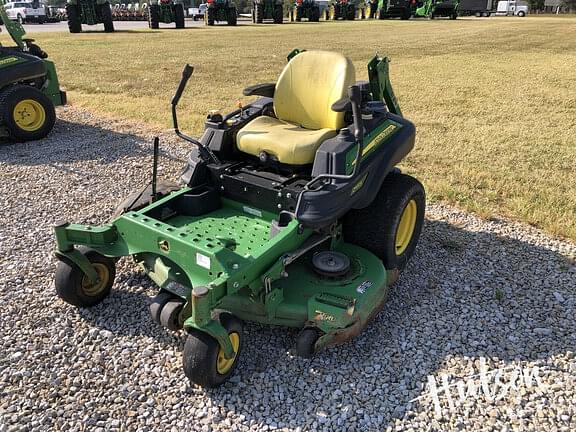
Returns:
(158,302)
(306,342)
(170,315)
(203,360)
(74,287)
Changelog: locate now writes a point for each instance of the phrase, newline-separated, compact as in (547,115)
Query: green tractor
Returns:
(308,9)
(437,8)
(403,9)
(89,12)
(346,10)
(29,88)
(167,12)
(268,9)
(292,212)
(221,10)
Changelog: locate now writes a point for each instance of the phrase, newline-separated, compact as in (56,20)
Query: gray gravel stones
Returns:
(480,300)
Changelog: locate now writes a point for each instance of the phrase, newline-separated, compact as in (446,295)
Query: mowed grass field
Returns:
(494,100)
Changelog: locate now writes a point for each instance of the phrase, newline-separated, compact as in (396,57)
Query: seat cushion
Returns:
(308,86)
(289,143)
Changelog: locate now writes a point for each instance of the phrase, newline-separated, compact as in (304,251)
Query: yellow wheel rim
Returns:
(29,115)
(223,365)
(91,289)
(406,227)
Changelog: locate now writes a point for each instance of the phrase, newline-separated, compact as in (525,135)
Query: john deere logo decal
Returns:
(8,60)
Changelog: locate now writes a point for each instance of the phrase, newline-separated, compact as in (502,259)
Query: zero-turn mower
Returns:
(29,87)
(437,8)
(221,10)
(292,213)
(346,10)
(167,12)
(89,12)
(308,9)
(267,9)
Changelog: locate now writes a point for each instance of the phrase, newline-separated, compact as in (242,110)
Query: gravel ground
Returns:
(485,305)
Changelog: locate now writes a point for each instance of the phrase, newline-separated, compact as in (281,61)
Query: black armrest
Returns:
(342,105)
(264,89)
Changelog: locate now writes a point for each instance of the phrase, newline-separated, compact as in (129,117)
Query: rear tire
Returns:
(26,112)
(350,13)
(73,286)
(74,23)
(232,17)
(106,14)
(179,15)
(315,14)
(210,16)
(278,14)
(382,228)
(154,17)
(201,354)
(141,198)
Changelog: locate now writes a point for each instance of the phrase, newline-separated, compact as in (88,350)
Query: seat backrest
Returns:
(308,86)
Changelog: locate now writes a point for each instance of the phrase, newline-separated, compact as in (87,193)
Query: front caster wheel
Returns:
(74,287)
(306,342)
(203,359)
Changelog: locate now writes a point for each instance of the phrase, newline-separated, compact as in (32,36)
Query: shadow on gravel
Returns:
(73,142)
(464,294)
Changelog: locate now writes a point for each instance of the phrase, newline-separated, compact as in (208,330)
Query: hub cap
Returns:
(223,365)
(29,115)
(406,227)
(91,289)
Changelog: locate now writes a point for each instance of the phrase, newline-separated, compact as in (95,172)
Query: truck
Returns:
(26,12)
(512,8)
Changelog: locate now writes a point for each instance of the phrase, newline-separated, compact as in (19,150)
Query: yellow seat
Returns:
(306,89)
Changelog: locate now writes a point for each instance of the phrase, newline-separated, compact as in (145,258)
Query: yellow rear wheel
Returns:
(406,227)
(26,112)
(29,115)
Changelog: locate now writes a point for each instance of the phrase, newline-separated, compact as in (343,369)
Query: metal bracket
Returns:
(81,261)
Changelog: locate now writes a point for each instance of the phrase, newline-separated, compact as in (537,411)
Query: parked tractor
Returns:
(308,9)
(29,87)
(437,8)
(402,9)
(167,12)
(346,10)
(89,12)
(221,10)
(267,9)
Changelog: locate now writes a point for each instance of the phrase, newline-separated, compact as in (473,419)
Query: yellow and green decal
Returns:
(372,141)
(9,61)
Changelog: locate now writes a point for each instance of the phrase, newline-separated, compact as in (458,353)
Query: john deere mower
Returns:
(402,9)
(167,12)
(221,10)
(437,8)
(292,212)
(308,9)
(89,12)
(29,87)
(268,9)
(346,10)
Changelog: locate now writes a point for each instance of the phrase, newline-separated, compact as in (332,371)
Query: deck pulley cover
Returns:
(331,263)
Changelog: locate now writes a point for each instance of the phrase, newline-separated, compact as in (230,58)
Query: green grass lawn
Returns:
(494,100)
